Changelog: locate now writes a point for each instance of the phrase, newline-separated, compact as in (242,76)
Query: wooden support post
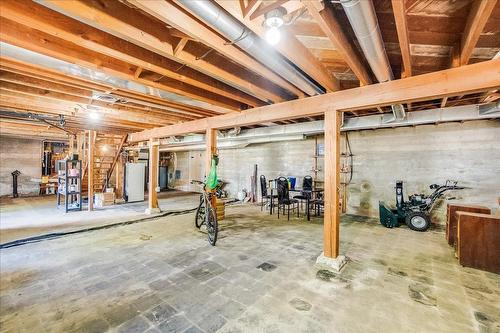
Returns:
(332,184)
(71,144)
(211,147)
(153,176)
(119,178)
(90,173)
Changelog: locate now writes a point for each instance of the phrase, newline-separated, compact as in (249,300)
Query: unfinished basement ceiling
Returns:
(164,47)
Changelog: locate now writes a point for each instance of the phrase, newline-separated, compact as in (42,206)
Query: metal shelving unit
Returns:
(70,184)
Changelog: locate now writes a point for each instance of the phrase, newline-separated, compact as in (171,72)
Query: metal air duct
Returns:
(248,41)
(361,15)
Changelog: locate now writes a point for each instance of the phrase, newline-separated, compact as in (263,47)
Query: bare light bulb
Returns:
(94,115)
(273,35)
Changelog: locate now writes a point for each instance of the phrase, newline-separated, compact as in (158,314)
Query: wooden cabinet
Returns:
(478,241)
(451,223)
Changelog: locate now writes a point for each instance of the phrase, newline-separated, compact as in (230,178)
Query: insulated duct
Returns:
(249,42)
(363,19)
(361,15)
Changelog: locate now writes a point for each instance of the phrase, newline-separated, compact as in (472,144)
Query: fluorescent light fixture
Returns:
(273,35)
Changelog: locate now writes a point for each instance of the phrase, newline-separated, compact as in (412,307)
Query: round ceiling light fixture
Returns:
(273,21)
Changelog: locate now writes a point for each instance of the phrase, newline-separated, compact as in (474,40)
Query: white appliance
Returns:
(134,181)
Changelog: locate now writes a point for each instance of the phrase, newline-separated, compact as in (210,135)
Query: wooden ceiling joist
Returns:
(250,7)
(41,18)
(122,21)
(36,71)
(478,16)
(290,47)
(173,16)
(331,27)
(40,42)
(482,76)
(399,9)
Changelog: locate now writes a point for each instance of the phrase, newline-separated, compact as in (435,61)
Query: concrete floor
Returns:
(32,216)
(162,276)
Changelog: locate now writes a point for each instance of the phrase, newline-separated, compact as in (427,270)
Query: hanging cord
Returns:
(350,156)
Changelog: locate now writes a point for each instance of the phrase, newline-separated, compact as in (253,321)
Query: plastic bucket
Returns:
(292,181)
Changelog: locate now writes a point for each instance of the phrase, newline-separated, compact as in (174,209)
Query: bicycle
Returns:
(205,214)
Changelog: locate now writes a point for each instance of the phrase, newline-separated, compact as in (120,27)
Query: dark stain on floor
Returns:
(421,294)
(300,304)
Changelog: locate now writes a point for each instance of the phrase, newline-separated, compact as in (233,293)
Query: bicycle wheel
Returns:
(212,226)
(199,218)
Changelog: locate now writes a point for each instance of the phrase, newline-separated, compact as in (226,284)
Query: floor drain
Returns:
(267,267)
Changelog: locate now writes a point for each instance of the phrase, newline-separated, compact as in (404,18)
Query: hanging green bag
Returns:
(212,176)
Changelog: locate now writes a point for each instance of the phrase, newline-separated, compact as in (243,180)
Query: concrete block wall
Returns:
(24,155)
(468,152)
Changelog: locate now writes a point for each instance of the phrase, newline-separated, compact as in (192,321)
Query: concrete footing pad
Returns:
(151,211)
(334,264)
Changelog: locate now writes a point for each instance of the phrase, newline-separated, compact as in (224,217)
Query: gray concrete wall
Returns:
(23,155)
(468,152)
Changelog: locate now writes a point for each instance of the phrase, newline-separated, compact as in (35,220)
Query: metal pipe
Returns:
(361,15)
(249,42)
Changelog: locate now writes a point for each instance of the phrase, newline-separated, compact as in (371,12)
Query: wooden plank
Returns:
(478,16)
(399,9)
(262,9)
(153,174)
(289,46)
(210,148)
(91,147)
(180,46)
(332,184)
(251,7)
(482,76)
(119,178)
(478,242)
(451,218)
(172,15)
(115,18)
(332,28)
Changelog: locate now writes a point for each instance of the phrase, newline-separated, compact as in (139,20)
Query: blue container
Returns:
(292,181)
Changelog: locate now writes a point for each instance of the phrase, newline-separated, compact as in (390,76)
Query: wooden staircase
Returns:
(107,148)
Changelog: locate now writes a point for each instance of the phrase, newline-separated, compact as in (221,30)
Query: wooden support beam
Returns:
(57,77)
(115,18)
(250,8)
(399,9)
(332,184)
(289,46)
(90,174)
(153,174)
(478,16)
(210,148)
(172,15)
(180,46)
(41,18)
(119,174)
(262,9)
(52,46)
(481,76)
(138,71)
(334,31)
(443,102)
